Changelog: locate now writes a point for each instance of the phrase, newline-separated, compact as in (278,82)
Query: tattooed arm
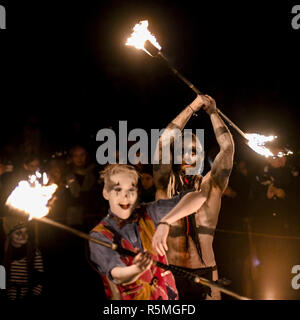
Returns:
(162,171)
(223,162)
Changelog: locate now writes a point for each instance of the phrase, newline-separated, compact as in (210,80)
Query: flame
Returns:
(31,197)
(257,143)
(45,178)
(140,35)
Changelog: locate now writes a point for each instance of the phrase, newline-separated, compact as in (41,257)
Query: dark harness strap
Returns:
(205,230)
(177,231)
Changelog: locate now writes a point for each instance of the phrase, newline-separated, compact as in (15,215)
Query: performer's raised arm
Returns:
(161,171)
(223,162)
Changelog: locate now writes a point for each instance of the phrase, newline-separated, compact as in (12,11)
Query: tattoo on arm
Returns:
(221,169)
(223,162)
(172,125)
(220,131)
(220,178)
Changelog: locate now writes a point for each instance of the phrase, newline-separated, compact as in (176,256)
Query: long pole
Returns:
(198,92)
(115,247)
(154,52)
(76,232)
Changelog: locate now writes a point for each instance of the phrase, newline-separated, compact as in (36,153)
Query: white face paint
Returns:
(192,154)
(189,155)
(19,237)
(123,194)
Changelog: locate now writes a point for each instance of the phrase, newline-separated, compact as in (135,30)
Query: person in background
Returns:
(22,261)
(83,187)
(61,197)
(148,189)
(276,194)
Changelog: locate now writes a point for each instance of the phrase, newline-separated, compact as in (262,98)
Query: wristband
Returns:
(162,222)
(191,108)
(194,112)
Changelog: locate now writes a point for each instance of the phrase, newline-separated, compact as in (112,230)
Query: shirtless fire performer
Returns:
(189,242)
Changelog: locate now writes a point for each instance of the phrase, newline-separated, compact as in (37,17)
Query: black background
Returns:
(65,62)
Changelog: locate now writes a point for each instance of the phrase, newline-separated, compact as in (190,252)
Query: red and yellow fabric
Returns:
(153,284)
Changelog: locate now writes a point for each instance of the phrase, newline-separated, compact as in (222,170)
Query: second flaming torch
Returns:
(142,39)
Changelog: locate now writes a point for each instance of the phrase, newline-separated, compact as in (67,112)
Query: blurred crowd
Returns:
(259,227)
(44,261)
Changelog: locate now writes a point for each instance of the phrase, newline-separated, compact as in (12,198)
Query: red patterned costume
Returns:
(153,284)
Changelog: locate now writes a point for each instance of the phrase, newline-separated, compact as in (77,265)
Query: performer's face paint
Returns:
(191,155)
(19,237)
(122,194)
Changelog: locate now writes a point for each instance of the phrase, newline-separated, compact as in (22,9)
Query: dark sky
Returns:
(65,61)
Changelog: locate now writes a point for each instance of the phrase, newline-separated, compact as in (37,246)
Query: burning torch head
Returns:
(142,39)
(32,197)
(152,49)
(258,142)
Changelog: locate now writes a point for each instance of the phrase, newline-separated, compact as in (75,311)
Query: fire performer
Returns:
(132,227)
(190,240)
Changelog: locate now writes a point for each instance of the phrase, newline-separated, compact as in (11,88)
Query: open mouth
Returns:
(125,206)
(188,165)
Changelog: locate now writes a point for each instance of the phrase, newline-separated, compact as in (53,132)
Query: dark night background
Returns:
(64,64)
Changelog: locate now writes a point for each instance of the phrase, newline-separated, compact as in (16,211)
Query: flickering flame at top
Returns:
(140,35)
(257,143)
(31,197)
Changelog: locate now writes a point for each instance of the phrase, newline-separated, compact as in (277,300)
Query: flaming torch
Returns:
(32,198)
(142,39)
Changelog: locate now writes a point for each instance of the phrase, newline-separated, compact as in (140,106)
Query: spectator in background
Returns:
(275,192)
(235,216)
(61,197)
(31,164)
(22,261)
(83,187)
(148,189)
